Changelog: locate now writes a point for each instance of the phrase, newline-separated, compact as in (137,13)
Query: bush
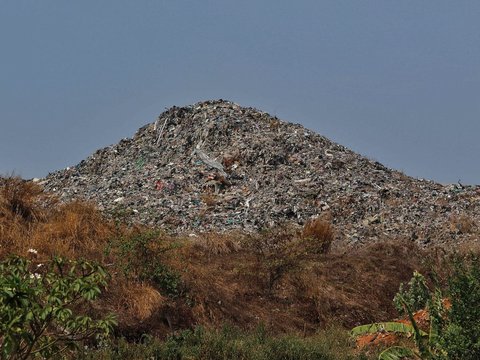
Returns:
(416,295)
(39,306)
(283,249)
(140,257)
(321,235)
(460,337)
(21,198)
(454,330)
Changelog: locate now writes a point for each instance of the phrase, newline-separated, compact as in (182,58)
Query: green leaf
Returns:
(27,306)
(397,353)
(29,316)
(8,346)
(385,326)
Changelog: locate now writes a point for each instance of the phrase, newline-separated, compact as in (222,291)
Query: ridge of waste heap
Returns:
(218,166)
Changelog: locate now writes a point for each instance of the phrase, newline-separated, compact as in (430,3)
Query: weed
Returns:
(417,295)
(278,251)
(282,250)
(232,343)
(214,244)
(20,198)
(140,256)
(454,330)
(320,233)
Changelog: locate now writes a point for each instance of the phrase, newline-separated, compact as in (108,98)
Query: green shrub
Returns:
(140,256)
(454,331)
(460,337)
(416,294)
(39,305)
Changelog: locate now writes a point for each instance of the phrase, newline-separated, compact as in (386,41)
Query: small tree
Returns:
(39,306)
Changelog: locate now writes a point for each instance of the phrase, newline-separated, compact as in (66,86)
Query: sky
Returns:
(396,81)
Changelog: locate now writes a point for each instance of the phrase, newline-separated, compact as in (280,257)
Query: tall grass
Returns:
(231,343)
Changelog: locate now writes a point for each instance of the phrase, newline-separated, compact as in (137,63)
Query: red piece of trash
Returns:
(159,185)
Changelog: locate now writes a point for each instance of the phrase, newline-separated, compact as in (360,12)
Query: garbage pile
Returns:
(217,166)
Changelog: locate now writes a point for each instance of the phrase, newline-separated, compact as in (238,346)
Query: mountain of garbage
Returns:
(217,166)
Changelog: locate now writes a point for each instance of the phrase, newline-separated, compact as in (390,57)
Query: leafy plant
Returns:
(385,326)
(140,256)
(416,295)
(460,336)
(397,352)
(454,330)
(423,349)
(39,306)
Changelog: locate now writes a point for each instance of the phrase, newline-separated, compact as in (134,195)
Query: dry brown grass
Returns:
(218,243)
(21,199)
(20,208)
(74,230)
(134,302)
(318,289)
(321,232)
(357,287)
(462,224)
(209,199)
(284,277)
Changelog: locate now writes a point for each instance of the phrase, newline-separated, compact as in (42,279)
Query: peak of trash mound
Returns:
(218,166)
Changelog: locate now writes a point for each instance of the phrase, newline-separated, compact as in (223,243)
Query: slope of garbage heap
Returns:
(216,166)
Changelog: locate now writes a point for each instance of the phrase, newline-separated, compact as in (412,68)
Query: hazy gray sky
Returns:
(397,81)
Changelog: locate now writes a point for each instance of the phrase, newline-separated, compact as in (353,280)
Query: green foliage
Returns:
(460,335)
(399,352)
(416,295)
(232,343)
(454,333)
(166,279)
(385,326)
(39,303)
(396,353)
(140,256)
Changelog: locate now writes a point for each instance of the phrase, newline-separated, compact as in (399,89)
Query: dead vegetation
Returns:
(285,278)
(462,224)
